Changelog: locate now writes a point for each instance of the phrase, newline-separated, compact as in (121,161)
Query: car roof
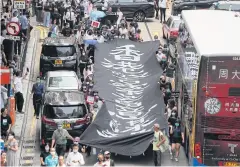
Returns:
(59,41)
(194,2)
(64,98)
(228,2)
(213,32)
(175,17)
(61,73)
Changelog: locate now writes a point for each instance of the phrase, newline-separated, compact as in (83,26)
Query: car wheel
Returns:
(164,37)
(139,16)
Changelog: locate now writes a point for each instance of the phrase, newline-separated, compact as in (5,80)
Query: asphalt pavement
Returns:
(27,126)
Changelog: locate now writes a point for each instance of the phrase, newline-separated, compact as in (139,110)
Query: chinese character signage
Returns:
(224,70)
(19,4)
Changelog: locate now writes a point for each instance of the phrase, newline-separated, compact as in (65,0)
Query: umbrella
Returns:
(90,42)
(94,15)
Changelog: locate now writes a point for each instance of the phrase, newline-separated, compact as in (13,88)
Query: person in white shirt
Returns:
(75,158)
(61,161)
(14,18)
(120,16)
(70,17)
(18,89)
(163,6)
(105,5)
(88,71)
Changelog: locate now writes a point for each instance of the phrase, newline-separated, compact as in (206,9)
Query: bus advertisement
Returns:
(218,111)
(208,79)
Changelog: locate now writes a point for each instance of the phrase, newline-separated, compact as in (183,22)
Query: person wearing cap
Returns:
(59,138)
(109,162)
(37,91)
(158,140)
(75,158)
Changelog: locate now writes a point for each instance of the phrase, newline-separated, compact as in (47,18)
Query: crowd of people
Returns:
(173,134)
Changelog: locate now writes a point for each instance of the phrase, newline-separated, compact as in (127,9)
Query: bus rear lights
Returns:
(197,150)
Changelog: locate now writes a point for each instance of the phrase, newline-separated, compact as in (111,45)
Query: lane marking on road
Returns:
(32,126)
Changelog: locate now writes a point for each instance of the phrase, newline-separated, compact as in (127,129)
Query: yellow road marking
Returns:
(27,161)
(43,31)
(32,126)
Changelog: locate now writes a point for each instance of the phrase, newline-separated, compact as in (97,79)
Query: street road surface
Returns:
(30,153)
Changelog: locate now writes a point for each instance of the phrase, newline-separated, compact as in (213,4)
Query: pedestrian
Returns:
(44,154)
(61,162)
(158,140)
(24,23)
(70,17)
(3,159)
(59,138)
(67,31)
(3,57)
(47,14)
(75,158)
(120,16)
(52,159)
(55,16)
(90,7)
(156,5)
(39,11)
(162,6)
(34,4)
(100,162)
(108,162)
(6,123)
(18,88)
(15,17)
(177,139)
(61,11)
(53,31)
(12,159)
(37,91)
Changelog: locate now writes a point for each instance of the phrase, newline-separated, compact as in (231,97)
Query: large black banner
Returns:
(126,75)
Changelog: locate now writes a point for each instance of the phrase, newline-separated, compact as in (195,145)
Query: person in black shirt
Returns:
(39,10)
(44,154)
(55,15)
(177,138)
(67,31)
(3,26)
(61,11)
(6,123)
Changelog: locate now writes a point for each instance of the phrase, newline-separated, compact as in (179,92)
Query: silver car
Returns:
(61,80)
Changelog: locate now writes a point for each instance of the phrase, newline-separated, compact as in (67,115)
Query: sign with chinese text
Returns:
(19,4)
(15,38)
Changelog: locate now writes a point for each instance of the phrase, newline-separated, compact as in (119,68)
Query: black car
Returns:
(178,6)
(63,107)
(132,9)
(59,54)
(226,5)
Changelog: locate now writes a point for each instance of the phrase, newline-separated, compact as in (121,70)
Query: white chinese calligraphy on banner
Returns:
(128,94)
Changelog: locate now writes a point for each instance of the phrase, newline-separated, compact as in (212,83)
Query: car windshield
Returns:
(58,51)
(63,81)
(176,24)
(64,112)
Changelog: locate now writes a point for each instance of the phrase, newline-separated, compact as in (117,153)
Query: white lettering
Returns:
(223,73)
(129,88)
(236,73)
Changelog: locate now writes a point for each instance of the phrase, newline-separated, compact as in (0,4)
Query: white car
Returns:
(62,80)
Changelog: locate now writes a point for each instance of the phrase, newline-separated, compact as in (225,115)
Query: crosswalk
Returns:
(43,32)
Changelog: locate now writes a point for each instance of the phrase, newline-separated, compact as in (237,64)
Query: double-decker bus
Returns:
(208,79)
